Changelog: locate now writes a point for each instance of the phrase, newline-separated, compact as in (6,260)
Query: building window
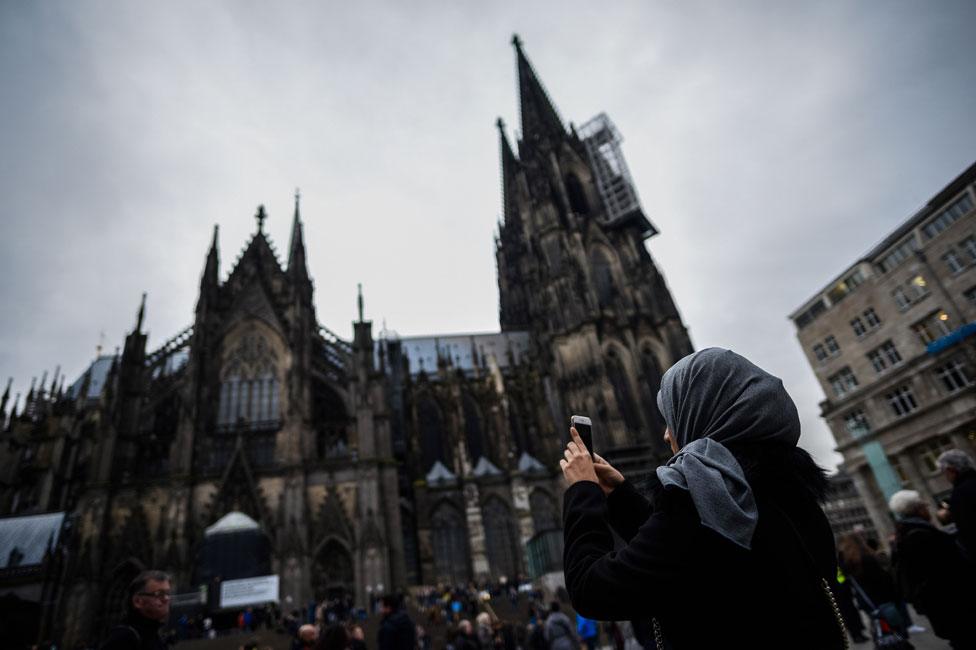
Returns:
(954,262)
(930,450)
(968,245)
(857,423)
(901,298)
(883,356)
(953,375)
(843,382)
(874,356)
(889,350)
(971,295)
(918,288)
(820,352)
(846,286)
(932,327)
(858,326)
(871,318)
(949,216)
(832,346)
(899,254)
(901,401)
(898,464)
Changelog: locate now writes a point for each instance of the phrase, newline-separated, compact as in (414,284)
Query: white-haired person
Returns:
(958,468)
(932,572)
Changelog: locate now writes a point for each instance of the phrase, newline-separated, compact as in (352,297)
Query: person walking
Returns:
(735,543)
(147,608)
(870,579)
(397,631)
(465,639)
(559,631)
(334,637)
(931,568)
(960,471)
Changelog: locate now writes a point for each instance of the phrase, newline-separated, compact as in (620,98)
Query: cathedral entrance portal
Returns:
(332,577)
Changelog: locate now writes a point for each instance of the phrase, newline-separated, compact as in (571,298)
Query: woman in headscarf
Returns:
(735,550)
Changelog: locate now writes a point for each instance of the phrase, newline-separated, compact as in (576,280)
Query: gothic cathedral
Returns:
(367,465)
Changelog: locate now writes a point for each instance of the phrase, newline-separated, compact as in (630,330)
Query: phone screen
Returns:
(584,427)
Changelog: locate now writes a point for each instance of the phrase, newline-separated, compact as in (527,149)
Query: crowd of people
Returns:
(928,567)
(734,533)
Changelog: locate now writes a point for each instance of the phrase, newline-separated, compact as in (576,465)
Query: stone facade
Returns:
(370,464)
(891,343)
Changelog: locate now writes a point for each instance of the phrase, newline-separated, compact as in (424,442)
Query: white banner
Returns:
(248,591)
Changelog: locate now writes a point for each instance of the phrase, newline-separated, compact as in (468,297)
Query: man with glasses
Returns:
(147,608)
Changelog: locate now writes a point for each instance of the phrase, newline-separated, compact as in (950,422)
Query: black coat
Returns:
(962,505)
(705,591)
(135,632)
(932,573)
(397,632)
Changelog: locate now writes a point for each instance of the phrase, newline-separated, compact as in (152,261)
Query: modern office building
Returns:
(890,339)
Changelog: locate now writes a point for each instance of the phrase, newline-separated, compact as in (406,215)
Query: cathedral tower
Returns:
(574,270)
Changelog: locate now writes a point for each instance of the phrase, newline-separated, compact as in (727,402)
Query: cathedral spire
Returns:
(141,315)
(296,248)
(539,117)
(211,269)
(4,399)
(509,164)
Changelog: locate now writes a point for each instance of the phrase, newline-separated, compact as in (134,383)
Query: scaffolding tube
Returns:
(602,142)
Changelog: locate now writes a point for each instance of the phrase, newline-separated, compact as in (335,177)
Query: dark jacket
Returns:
(962,505)
(397,632)
(705,591)
(931,572)
(135,632)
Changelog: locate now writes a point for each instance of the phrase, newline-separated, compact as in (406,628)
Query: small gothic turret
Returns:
(509,169)
(297,268)
(4,399)
(140,316)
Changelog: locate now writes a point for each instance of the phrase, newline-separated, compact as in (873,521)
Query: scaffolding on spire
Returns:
(602,142)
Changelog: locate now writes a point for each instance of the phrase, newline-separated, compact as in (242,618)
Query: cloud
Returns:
(771,144)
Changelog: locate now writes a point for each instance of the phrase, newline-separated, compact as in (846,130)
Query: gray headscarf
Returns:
(710,398)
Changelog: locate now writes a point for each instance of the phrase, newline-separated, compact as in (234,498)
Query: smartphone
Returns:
(584,427)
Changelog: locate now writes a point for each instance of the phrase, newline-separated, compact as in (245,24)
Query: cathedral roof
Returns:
(25,539)
(99,374)
(464,351)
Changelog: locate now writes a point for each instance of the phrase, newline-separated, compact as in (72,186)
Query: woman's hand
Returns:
(577,464)
(607,475)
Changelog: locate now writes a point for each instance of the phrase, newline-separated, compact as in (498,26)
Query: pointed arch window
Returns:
(545,515)
(501,538)
(433,441)
(652,380)
(474,432)
(249,389)
(576,194)
(602,269)
(617,374)
(449,543)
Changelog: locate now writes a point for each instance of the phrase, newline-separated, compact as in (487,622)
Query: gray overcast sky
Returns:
(772,143)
